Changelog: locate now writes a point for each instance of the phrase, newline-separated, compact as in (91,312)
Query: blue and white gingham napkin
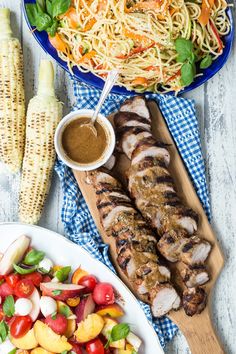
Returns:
(80,228)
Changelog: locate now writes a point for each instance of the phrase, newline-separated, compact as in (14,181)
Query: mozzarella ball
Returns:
(46,264)
(47,305)
(23,307)
(6,346)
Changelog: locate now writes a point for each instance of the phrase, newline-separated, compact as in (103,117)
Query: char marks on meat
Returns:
(194,300)
(152,188)
(136,244)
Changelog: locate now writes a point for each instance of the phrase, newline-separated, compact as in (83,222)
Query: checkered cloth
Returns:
(180,116)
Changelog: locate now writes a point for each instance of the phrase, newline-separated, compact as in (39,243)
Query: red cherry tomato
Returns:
(89,282)
(75,347)
(20,326)
(95,346)
(24,288)
(12,279)
(58,323)
(35,277)
(103,294)
(5,290)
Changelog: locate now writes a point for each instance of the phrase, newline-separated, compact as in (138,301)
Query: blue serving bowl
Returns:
(92,80)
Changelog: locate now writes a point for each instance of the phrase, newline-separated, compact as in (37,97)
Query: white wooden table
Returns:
(216,104)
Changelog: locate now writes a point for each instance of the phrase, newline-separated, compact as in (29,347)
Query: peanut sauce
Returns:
(80,143)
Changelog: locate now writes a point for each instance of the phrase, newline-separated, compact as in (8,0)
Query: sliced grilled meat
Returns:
(194,275)
(136,105)
(128,138)
(174,246)
(194,300)
(136,244)
(129,119)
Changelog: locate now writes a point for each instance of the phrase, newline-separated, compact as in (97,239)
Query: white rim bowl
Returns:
(61,152)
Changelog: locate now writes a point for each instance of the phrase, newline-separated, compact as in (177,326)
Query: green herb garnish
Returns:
(62,274)
(65,310)
(44,14)
(54,315)
(13,351)
(57,292)
(33,257)
(184,48)
(4,330)
(119,331)
(9,306)
(206,61)
(23,271)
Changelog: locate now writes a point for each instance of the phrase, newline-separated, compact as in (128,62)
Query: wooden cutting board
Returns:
(198,329)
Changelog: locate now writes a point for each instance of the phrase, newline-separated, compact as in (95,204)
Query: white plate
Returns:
(65,252)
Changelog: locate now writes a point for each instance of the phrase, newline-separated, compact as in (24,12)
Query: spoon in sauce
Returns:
(109,83)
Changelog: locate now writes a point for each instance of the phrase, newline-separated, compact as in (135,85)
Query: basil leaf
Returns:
(9,306)
(21,270)
(187,74)
(53,29)
(65,310)
(49,7)
(56,292)
(4,330)
(62,274)
(33,257)
(13,351)
(41,5)
(43,22)
(119,331)
(206,61)
(184,48)
(32,13)
(59,7)
(64,352)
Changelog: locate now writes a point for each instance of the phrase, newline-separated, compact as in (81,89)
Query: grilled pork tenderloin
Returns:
(152,188)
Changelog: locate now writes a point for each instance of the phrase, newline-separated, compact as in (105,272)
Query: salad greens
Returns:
(120,331)
(62,274)
(22,270)
(44,14)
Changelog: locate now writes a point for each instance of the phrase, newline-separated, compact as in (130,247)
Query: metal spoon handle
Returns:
(110,81)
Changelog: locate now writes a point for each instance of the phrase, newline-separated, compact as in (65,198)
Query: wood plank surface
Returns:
(216,106)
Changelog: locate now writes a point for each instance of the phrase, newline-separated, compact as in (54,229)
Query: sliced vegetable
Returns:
(87,57)
(35,277)
(72,17)
(24,288)
(20,326)
(217,36)
(135,51)
(206,11)
(89,25)
(140,81)
(58,43)
(95,346)
(136,37)
(89,282)
(12,279)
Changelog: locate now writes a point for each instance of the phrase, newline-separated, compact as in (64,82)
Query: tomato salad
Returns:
(46,310)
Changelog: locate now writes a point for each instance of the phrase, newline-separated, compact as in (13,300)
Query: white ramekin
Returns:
(58,140)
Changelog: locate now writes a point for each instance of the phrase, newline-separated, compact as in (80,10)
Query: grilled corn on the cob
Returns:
(12,97)
(43,115)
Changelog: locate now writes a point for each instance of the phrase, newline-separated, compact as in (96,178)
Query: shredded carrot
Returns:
(58,43)
(137,50)
(72,16)
(87,57)
(140,81)
(136,37)
(173,10)
(178,73)
(206,11)
(216,33)
(145,5)
(89,25)
(102,4)
(152,68)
